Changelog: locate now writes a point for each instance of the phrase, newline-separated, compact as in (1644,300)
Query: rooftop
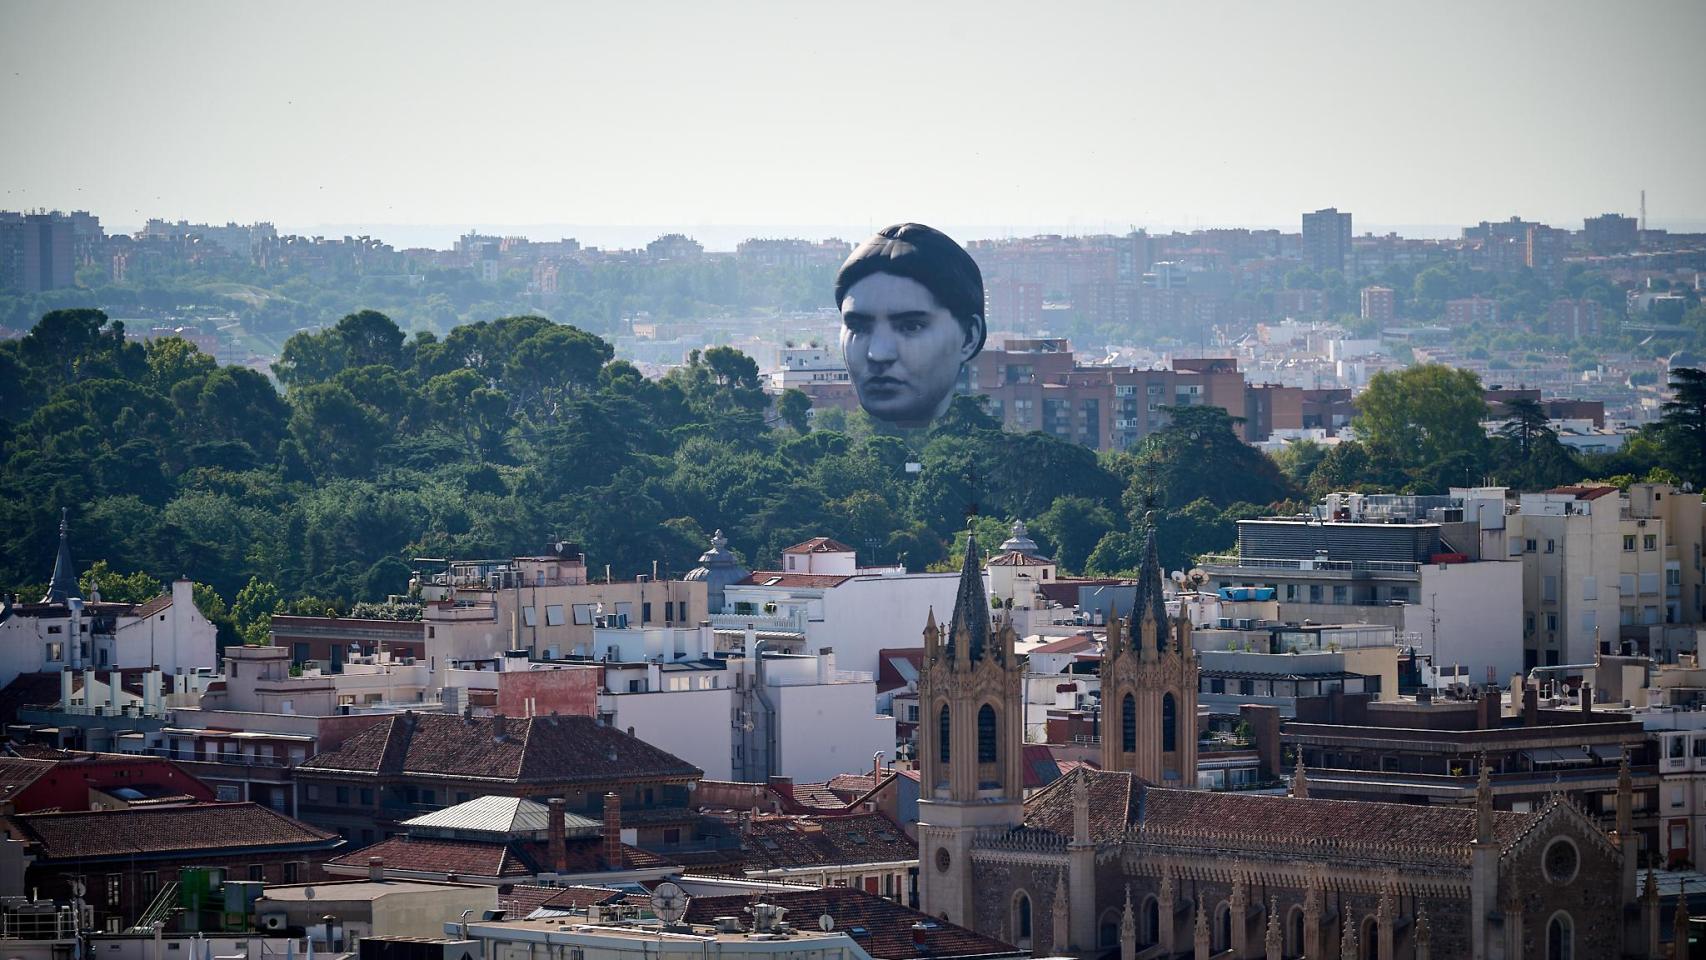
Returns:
(881,927)
(549,749)
(146,831)
(781,843)
(819,545)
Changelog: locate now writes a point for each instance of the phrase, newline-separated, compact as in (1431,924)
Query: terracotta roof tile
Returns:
(882,927)
(524,898)
(819,545)
(1119,800)
(1014,558)
(776,578)
(478,858)
(153,606)
(512,749)
(16,773)
(776,843)
(141,831)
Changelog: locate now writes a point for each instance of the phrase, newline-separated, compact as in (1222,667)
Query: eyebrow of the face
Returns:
(910,315)
(854,316)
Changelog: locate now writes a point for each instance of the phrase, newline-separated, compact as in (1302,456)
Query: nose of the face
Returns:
(881,346)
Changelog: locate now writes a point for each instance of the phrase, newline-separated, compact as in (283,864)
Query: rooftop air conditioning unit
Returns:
(1224,623)
(273,921)
(1245,623)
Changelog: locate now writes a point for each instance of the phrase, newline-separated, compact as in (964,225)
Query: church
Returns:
(1133,858)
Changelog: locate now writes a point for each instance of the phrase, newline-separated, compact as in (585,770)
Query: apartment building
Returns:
(1432,568)
(547,605)
(1601,567)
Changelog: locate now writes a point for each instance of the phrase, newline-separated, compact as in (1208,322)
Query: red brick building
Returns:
(64,781)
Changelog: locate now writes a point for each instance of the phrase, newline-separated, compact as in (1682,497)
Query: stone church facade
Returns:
(1129,859)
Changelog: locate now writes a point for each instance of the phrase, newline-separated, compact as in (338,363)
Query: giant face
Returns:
(903,349)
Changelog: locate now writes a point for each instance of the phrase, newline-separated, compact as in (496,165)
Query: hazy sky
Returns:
(985,117)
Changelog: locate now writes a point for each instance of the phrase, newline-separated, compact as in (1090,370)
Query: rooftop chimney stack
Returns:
(376,869)
(613,859)
(556,849)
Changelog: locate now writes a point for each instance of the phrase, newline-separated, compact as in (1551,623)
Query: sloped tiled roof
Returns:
(882,927)
(153,606)
(898,667)
(776,843)
(16,773)
(819,545)
(1014,558)
(524,898)
(140,831)
(27,690)
(1121,800)
(482,858)
(1037,766)
(777,578)
(1072,644)
(510,749)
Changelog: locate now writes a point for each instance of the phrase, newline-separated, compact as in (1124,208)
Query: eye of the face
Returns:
(911,322)
(856,322)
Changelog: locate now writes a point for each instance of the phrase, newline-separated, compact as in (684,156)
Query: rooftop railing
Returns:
(1331,566)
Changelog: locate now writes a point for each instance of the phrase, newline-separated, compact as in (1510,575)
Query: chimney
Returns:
(918,932)
(556,849)
(783,786)
(376,869)
(613,859)
(1530,707)
(1587,701)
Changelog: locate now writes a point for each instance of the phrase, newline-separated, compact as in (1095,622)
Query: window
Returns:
(150,884)
(311,791)
(55,652)
(1528,545)
(986,749)
(529,617)
(646,611)
(583,613)
(1629,543)
(1022,920)
(1552,622)
(554,614)
(942,735)
(1549,589)
(1590,588)
(672,835)
(1650,541)
(55,629)
(257,872)
(115,888)
(1128,724)
(367,796)
(1626,584)
(1560,938)
(462,796)
(1169,723)
(1590,622)
(1528,623)
(1315,593)
(290,872)
(1341,593)
(343,795)
(681,611)
(1551,546)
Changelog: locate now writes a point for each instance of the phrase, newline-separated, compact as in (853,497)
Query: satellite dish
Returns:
(1178,576)
(826,923)
(669,902)
(307,893)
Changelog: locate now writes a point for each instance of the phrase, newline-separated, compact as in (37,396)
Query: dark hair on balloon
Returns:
(931,258)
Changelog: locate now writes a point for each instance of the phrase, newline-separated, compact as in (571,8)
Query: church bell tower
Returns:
(970,731)
(1149,688)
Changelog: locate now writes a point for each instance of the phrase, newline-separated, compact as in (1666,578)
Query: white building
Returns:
(752,716)
(1601,566)
(809,365)
(856,611)
(167,632)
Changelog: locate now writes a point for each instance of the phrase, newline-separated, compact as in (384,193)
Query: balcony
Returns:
(1231,563)
(461,613)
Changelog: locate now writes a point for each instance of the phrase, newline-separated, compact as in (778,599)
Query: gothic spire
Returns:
(64,583)
(1151,601)
(970,624)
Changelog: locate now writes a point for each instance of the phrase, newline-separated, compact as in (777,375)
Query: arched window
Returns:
(1021,919)
(1223,927)
(986,734)
(1108,931)
(1294,932)
(1128,724)
(1149,929)
(1560,938)
(942,736)
(1370,939)
(1169,723)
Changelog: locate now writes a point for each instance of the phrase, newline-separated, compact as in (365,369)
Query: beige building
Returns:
(372,907)
(1601,566)
(546,605)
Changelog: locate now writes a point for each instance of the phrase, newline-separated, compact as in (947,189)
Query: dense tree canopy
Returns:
(375,448)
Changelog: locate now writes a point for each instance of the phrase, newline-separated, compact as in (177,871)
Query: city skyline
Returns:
(1012,123)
